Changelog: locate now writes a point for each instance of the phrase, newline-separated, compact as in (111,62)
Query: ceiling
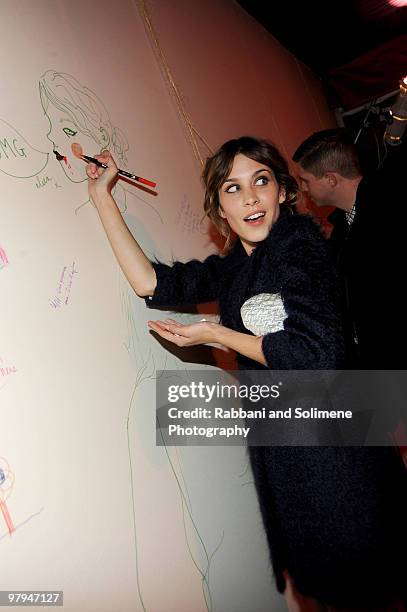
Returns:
(358,48)
(326,35)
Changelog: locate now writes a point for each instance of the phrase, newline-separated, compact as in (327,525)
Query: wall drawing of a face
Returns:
(76,114)
(6,487)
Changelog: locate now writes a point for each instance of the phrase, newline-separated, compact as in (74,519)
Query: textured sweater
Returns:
(292,262)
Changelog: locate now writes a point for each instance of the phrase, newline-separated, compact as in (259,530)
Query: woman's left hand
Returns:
(186,335)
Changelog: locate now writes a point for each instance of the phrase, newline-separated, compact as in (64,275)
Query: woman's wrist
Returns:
(102,197)
(246,344)
(223,335)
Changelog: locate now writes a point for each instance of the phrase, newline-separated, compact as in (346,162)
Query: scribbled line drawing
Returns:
(64,286)
(74,109)
(29,518)
(189,221)
(76,114)
(187,510)
(187,514)
(6,370)
(6,487)
(17,157)
(3,258)
(146,369)
(245,472)
(43,181)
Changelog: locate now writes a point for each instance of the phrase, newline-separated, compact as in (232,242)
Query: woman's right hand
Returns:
(101,180)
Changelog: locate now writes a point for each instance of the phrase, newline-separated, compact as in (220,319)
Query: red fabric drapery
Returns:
(369,76)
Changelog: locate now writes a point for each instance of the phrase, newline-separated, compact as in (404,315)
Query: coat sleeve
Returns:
(312,334)
(184,284)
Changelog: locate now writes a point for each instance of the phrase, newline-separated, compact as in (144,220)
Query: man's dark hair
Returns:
(329,151)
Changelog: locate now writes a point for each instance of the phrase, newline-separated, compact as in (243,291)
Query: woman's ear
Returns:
(281,195)
(221,213)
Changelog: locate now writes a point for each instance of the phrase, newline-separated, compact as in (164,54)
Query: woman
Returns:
(270,185)
(277,302)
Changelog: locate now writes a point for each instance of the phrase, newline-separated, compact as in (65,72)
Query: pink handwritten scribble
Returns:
(6,487)
(3,258)
(5,370)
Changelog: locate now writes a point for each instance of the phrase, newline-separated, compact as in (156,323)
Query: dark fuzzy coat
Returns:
(292,261)
(330,514)
(371,261)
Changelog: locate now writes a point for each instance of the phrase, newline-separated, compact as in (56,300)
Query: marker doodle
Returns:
(6,486)
(188,219)
(74,110)
(17,157)
(64,286)
(77,114)
(6,370)
(3,258)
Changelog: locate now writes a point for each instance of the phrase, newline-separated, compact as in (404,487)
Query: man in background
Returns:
(368,243)
(369,246)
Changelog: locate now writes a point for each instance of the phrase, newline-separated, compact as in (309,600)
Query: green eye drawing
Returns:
(69,132)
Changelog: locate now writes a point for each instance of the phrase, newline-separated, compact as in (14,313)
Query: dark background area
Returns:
(357,48)
(327,36)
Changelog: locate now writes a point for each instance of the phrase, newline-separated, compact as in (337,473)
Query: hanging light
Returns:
(397,116)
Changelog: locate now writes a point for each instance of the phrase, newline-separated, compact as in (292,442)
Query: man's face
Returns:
(318,189)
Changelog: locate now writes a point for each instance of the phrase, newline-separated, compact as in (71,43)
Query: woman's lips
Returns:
(256,221)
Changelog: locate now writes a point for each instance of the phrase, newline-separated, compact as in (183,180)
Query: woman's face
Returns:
(62,134)
(250,200)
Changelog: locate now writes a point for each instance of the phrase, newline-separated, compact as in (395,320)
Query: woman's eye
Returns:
(232,189)
(69,132)
(262,180)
